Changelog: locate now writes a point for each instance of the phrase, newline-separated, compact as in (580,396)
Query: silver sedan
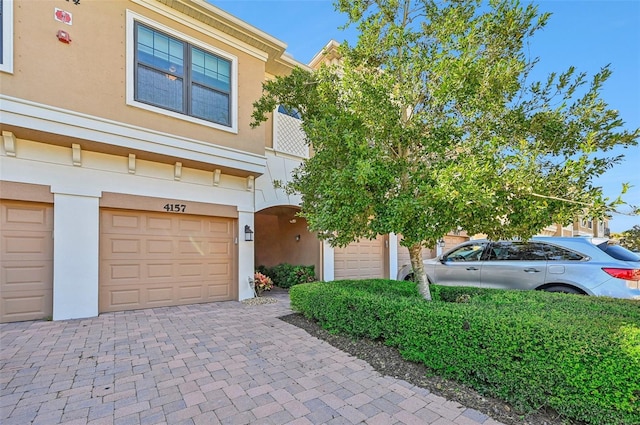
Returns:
(588,266)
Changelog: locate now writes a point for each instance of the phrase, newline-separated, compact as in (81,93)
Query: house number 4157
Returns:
(175,207)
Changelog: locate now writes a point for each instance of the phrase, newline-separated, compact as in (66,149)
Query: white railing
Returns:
(288,136)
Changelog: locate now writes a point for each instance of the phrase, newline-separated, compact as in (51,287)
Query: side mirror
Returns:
(442,259)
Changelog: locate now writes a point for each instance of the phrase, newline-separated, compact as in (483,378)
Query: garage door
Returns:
(152,259)
(26,261)
(360,260)
(451,241)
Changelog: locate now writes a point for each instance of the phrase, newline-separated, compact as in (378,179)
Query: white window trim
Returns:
(7,37)
(133,17)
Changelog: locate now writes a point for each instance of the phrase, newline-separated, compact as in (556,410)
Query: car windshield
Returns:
(618,252)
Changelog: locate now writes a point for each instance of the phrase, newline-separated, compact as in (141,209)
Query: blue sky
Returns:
(587,34)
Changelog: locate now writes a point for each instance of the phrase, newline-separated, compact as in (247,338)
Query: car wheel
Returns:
(409,277)
(563,289)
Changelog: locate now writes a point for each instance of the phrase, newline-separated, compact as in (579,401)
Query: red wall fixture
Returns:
(63,36)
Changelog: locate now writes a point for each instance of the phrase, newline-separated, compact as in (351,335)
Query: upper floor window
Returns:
(179,75)
(292,112)
(6,35)
(173,74)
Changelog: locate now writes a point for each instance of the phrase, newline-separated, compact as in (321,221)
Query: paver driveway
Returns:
(226,363)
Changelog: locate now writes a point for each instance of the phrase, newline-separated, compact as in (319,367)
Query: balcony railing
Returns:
(288,136)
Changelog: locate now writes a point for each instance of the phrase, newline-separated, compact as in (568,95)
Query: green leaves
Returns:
(575,354)
(430,124)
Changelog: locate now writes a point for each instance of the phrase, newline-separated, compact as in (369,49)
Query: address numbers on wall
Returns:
(177,208)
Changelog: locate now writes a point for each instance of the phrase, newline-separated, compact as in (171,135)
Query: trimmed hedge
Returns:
(577,355)
(286,275)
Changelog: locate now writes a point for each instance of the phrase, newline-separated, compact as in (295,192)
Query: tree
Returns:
(630,239)
(431,124)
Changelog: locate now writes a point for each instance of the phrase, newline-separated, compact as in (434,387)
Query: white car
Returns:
(579,265)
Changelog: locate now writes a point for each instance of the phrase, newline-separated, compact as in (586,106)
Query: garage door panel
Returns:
(125,246)
(17,245)
(191,293)
(159,246)
(27,275)
(26,260)
(219,270)
(217,292)
(156,270)
(189,248)
(180,261)
(26,216)
(122,299)
(122,272)
(26,306)
(159,223)
(191,226)
(121,223)
(219,227)
(160,295)
(360,260)
(220,248)
(191,269)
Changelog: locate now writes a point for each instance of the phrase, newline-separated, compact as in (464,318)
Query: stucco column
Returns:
(328,265)
(75,255)
(393,255)
(246,255)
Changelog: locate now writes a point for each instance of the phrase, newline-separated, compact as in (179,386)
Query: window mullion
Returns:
(186,95)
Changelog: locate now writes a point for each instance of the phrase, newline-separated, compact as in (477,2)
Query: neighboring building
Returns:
(579,227)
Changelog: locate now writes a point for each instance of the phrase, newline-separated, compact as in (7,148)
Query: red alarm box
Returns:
(63,36)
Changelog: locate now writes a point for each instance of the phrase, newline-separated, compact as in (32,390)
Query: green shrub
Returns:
(286,275)
(577,355)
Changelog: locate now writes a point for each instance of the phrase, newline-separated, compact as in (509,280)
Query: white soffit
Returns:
(27,114)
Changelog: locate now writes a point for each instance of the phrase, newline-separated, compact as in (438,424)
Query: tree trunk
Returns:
(419,276)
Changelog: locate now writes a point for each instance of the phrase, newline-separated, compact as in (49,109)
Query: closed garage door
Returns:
(360,260)
(450,241)
(26,261)
(152,259)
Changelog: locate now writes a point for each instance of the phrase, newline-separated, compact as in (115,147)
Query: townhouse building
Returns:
(129,175)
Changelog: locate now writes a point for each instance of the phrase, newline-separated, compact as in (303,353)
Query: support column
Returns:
(328,265)
(75,256)
(246,256)
(393,255)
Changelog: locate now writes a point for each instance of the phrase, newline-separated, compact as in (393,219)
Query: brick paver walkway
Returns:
(218,363)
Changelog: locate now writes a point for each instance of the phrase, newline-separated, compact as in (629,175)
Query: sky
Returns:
(587,34)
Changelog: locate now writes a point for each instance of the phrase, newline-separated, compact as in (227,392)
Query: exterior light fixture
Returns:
(441,243)
(248,233)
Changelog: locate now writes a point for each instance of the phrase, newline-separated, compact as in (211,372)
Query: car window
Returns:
(471,252)
(517,251)
(556,253)
(618,252)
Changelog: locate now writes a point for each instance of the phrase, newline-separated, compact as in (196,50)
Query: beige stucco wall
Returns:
(275,242)
(88,75)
